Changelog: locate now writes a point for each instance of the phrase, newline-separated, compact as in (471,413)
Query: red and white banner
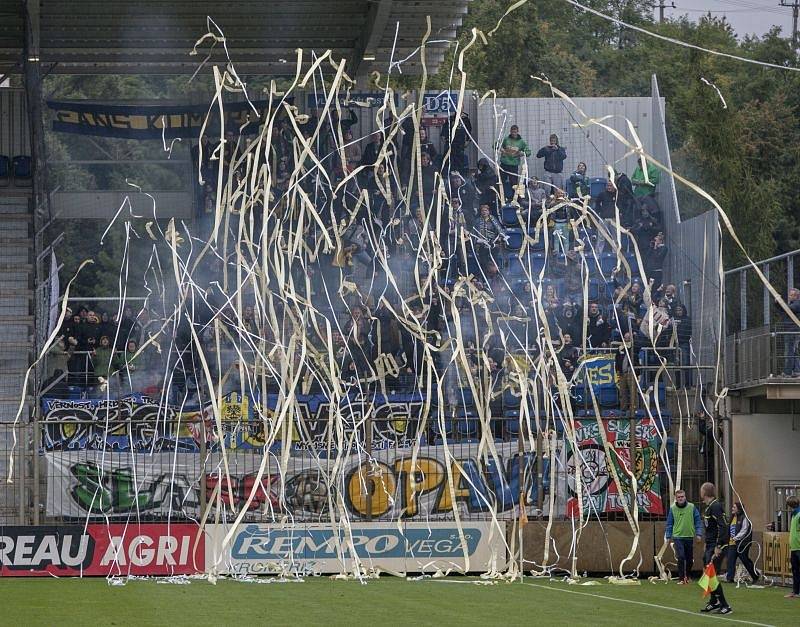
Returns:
(116,549)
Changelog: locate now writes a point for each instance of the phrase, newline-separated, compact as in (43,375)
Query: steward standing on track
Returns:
(683,524)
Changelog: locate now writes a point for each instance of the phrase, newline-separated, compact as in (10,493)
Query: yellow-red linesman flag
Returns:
(708,582)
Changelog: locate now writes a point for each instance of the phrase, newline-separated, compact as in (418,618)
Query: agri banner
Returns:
(100,549)
(141,424)
(599,491)
(400,546)
(158,121)
(96,484)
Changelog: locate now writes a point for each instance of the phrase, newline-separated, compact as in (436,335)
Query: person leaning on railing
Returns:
(59,354)
(792,366)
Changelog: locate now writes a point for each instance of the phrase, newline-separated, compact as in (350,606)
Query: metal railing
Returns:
(762,353)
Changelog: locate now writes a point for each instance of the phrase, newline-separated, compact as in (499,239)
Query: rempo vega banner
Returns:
(259,549)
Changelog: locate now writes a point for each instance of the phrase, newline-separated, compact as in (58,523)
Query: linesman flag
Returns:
(708,582)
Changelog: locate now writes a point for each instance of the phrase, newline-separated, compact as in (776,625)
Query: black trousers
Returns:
(741,552)
(795,560)
(509,175)
(717,596)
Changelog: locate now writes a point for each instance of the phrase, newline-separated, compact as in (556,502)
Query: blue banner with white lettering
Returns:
(597,371)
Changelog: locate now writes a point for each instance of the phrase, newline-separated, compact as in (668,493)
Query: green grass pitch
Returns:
(388,601)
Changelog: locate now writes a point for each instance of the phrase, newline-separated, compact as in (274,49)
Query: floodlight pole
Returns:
(661,6)
(795,5)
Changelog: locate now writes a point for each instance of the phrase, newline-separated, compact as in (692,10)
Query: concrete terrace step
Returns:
(14,343)
(14,266)
(26,319)
(15,332)
(13,206)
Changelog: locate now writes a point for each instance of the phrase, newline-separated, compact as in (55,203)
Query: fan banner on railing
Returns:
(154,121)
(142,424)
(599,491)
(597,370)
(99,484)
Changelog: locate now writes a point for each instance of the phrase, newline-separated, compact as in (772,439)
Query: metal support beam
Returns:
(743,300)
(33,96)
(767,298)
(367,43)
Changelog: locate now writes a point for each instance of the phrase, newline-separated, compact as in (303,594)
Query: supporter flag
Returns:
(55,295)
(708,582)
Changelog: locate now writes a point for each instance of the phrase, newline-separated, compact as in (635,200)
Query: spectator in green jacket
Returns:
(512,150)
(648,187)
(102,358)
(128,364)
(793,504)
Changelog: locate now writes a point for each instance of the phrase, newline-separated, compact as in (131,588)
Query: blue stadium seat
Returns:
(594,292)
(592,265)
(436,426)
(515,238)
(518,286)
(466,424)
(536,245)
(608,261)
(508,215)
(662,396)
(608,396)
(5,171)
(631,258)
(465,397)
(596,186)
(511,421)
(538,261)
(473,267)
(515,269)
(22,168)
(510,401)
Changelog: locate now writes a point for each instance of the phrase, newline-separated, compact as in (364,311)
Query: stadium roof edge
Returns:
(156,36)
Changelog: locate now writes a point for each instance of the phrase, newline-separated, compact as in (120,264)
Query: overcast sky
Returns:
(746,16)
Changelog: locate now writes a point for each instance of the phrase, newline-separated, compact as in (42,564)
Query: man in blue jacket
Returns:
(683,525)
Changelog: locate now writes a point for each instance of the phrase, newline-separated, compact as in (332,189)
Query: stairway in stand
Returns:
(16,345)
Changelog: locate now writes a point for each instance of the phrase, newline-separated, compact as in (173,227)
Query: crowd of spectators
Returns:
(522,259)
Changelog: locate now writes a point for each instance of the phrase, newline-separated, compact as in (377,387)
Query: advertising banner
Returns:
(599,491)
(115,549)
(257,549)
(99,485)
